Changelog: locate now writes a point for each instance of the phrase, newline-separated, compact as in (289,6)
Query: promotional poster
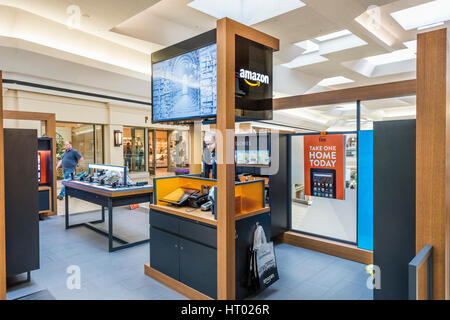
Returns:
(324,166)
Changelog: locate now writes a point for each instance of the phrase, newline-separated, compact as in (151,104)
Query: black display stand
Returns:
(394,205)
(21,202)
(45,190)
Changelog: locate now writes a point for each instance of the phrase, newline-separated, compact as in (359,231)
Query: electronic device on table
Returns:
(323,183)
(80,175)
(179,196)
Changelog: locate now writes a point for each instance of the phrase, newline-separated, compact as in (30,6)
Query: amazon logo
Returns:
(253,79)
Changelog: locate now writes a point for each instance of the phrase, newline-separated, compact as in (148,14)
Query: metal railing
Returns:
(426,254)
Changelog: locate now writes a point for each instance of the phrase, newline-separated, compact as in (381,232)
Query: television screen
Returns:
(185,87)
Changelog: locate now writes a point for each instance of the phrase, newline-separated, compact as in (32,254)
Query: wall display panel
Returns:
(324,166)
(324,216)
(365,190)
(185,87)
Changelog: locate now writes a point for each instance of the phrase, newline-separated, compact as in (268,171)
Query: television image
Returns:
(323,183)
(185,86)
(263,157)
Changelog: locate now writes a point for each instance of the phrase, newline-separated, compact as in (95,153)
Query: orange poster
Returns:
(324,166)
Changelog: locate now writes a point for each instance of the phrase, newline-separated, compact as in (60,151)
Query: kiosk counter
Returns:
(183,251)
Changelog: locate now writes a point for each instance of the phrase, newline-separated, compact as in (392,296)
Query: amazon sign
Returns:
(254,70)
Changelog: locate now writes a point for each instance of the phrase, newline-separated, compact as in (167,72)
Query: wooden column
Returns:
(433,156)
(227,30)
(226,269)
(195,149)
(2,204)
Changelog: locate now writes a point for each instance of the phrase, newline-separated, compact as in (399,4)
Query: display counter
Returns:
(106,197)
(183,251)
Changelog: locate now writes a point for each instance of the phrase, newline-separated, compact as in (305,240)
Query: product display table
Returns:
(107,197)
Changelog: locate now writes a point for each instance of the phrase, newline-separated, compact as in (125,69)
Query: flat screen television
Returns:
(185,87)
(184,80)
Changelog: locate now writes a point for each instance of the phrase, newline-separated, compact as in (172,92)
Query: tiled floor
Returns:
(304,274)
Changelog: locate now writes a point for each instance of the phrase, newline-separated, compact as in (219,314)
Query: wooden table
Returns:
(107,197)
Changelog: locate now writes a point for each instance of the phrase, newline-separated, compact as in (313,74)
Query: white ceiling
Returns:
(124,33)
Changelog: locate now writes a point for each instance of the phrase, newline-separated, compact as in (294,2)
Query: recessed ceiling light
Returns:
(334,81)
(334,35)
(305,60)
(434,25)
(396,56)
(423,15)
(246,11)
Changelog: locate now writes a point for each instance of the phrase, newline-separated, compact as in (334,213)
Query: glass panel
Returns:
(161,151)
(82,137)
(99,144)
(330,209)
(179,149)
(387,109)
(331,118)
(134,149)
(150,152)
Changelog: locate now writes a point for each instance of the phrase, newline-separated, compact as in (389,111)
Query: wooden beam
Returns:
(227,30)
(433,156)
(2,203)
(334,248)
(378,91)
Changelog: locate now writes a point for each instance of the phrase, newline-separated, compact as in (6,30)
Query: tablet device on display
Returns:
(179,196)
(323,183)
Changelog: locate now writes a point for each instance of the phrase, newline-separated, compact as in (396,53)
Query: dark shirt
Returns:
(70,160)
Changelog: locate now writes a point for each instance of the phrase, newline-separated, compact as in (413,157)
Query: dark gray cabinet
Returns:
(164,253)
(198,267)
(21,201)
(185,251)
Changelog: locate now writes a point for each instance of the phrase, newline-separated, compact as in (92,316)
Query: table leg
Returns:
(67,210)
(110,225)
(103,213)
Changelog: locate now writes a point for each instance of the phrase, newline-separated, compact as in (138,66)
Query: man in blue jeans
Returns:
(70,159)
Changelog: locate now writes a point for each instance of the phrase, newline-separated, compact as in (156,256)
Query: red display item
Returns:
(325,152)
(44,167)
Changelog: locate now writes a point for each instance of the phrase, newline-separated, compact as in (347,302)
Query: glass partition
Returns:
(400,108)
(324,185)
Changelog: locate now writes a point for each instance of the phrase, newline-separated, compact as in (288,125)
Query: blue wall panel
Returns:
(365,190)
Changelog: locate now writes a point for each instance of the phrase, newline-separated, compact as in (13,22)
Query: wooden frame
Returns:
(174,284)
(2,203)
(227,30)
(334,248)
(373,92)
(44,188)
(50,125)
(433,158)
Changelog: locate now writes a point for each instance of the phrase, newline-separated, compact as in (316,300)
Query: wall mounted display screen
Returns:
(185,87)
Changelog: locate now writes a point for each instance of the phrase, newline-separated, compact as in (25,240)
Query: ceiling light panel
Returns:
(334,81)
(248,12)
(305,60)
(396,56)
(334,35)
(314,50)
(423,15)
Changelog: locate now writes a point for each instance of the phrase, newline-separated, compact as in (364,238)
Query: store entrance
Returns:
(133,149)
